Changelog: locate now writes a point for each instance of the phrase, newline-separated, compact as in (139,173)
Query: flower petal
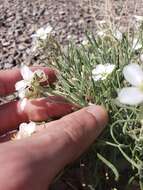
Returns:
(133,74)
(22,94)
(101,34)
(20,85)
(32,127)
(101,71)
(48,29)
(118,35)
(34,36)
(40,32)
(109,68)
(138,18)
(130,96)
(26,73)
(23,104)
(26,130)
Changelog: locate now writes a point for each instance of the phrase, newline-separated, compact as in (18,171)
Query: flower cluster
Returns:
(116,33)
(30,86)
(40,37)
(101,71)
(42,33)
(95,72)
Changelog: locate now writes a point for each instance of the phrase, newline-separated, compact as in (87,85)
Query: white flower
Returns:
(42,33)
(30,83)
(115,32)
(136,44)
(138,18)
(101,71)
(137,21)
(133,73)
(85,42)
(101,34)
(118,35)
(26,130)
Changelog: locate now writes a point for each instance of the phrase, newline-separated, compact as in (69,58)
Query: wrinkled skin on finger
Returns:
(33,162)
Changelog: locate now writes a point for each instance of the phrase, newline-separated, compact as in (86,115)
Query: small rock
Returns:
(21,47)
(8,65)
(5,44)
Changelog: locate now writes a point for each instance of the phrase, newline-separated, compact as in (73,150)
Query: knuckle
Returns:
(78,127)
(74,128)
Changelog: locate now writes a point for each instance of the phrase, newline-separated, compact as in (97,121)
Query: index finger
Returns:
(66,139)
(8,78)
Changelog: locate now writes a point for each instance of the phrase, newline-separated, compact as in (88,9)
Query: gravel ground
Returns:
(19,19)
(69,18)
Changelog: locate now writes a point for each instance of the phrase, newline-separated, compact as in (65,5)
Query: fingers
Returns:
(41,109)
(65,139)
(61,142)
(8,78)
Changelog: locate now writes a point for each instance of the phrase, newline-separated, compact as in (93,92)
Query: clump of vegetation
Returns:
(106,69)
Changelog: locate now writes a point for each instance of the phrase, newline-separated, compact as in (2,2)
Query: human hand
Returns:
(31,163)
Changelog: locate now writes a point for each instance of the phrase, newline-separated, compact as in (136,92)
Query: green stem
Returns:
(141,185)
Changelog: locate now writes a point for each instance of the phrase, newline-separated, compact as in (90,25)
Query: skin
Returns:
(33,162)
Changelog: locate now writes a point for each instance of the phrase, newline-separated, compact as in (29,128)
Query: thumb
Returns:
(66,139)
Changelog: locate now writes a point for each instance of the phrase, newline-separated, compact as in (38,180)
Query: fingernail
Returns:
(99,113)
